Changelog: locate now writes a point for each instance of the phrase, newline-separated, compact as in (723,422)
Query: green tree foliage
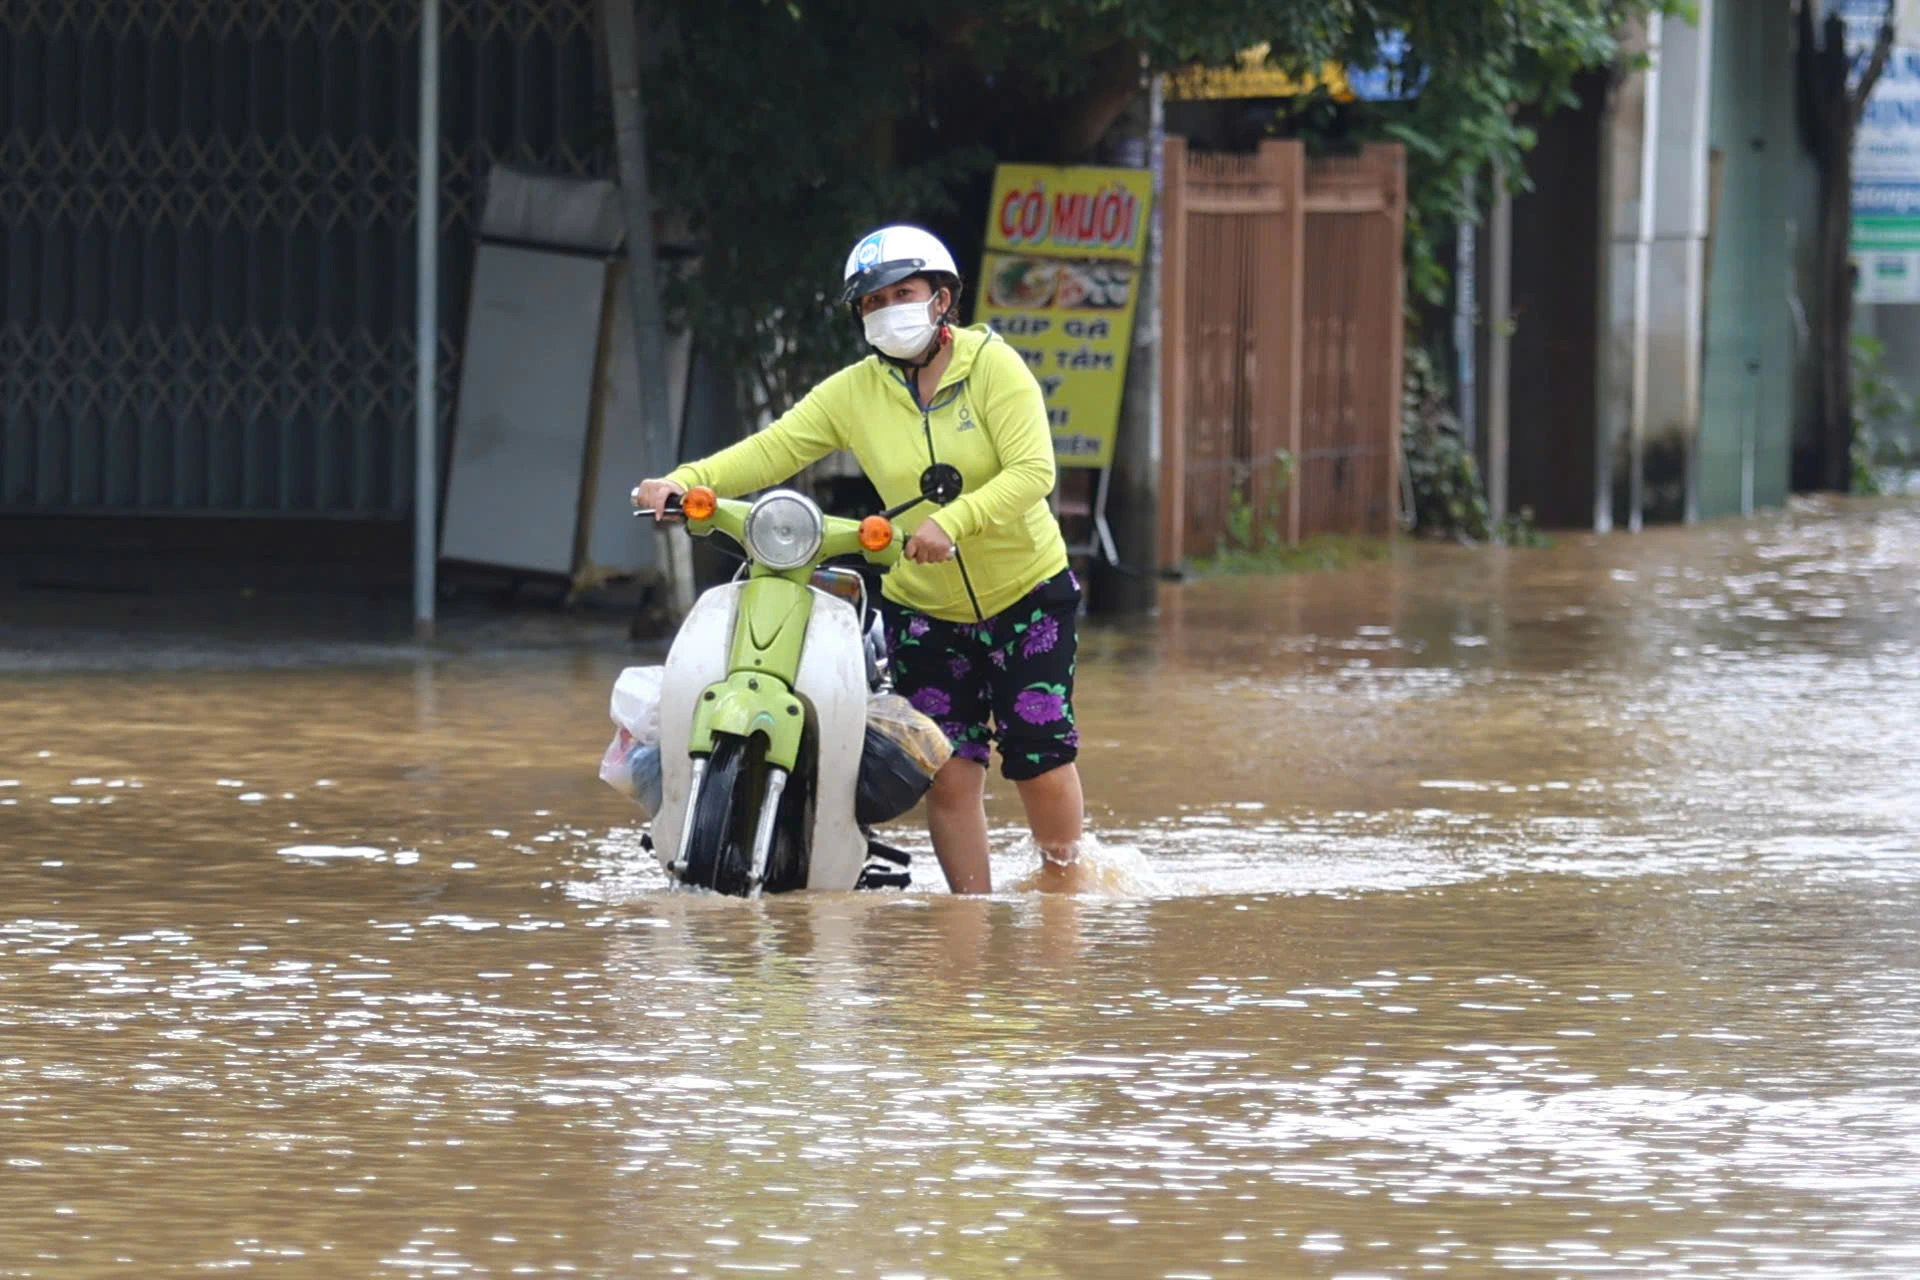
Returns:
(771,129)
(782,129)
(1884,420)
(1443,489)
(1481,68)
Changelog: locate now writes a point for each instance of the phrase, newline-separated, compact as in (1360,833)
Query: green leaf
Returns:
(1433,148)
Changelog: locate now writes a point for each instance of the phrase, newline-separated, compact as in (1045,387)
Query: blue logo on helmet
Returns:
(867,252)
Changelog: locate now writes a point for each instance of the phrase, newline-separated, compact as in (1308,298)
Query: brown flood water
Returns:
(1551,911)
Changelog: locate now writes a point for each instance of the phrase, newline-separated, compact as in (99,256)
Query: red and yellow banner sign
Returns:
(1064,248)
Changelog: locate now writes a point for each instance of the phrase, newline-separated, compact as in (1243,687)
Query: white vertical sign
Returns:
(1886,156)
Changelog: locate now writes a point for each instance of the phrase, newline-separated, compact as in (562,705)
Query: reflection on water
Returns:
(1477,911)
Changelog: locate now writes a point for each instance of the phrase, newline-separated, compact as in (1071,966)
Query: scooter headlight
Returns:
(784,530)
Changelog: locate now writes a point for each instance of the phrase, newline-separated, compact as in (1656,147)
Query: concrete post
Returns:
(1677,256)
(1632,123)
(1466,322)
(426,397)
(1499,343)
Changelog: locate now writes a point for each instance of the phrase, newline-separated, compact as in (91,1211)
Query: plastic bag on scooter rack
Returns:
(903,750)
(631,764)
(635,705)
(632,768)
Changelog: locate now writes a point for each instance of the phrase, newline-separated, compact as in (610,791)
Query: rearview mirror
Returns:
(941,483)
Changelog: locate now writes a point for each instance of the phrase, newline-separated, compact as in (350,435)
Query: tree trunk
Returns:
(1132,587)
(1831,112)
(672,553)
(1835,433)
(1116,82)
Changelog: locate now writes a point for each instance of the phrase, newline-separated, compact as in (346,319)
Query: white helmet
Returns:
(892,254)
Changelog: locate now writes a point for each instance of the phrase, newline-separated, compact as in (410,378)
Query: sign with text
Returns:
(1064,248)
(1886,159)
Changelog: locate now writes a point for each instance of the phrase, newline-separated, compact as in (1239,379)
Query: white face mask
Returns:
(903,330)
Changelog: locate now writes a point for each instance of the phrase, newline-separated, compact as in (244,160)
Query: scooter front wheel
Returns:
(720,842)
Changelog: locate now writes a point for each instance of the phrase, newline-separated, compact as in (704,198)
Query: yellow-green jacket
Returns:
(987,418)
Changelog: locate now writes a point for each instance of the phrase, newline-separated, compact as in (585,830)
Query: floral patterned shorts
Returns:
(1016,667)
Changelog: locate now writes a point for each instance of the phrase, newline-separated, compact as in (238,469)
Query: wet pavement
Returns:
(62,630)
(1476,911)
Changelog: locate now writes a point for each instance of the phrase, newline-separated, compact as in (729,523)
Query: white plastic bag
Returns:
(631,764)
(633,769)
(635,705)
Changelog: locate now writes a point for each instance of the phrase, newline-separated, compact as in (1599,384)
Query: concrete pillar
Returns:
(1466,321)
(1677,266)
(1628,186)
(1499,343)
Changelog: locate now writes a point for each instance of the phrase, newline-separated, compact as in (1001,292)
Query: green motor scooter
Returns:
(764,698)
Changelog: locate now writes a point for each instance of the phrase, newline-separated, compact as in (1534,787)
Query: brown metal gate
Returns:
(1283,340)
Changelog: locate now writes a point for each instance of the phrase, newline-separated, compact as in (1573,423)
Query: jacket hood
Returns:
(968,343)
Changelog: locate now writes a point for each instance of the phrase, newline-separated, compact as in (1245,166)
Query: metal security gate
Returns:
(207,245)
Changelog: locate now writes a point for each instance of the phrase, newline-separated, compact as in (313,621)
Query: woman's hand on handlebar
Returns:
(652,495)
(929,544)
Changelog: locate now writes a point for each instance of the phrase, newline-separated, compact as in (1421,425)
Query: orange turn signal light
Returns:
(876,533)
(698,503)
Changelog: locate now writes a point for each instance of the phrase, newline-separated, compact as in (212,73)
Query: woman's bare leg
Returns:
(957,821)
(1056,810)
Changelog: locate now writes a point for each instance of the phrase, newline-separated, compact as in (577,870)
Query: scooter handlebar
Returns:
(841,536)
(670,509)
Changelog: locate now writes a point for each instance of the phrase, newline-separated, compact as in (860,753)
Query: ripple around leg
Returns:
(1100,871)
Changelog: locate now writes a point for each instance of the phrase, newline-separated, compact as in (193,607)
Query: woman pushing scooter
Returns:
(981,614)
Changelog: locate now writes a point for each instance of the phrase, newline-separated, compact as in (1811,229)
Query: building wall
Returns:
(1553,397)
(1753,344)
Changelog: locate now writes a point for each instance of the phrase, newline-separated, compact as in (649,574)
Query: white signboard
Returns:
(1886,156)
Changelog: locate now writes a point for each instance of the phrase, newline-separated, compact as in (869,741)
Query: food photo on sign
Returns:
(1021,283)
(1102,286)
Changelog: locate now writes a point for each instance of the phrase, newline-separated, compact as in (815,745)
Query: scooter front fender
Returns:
(832,686)
(746,705)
